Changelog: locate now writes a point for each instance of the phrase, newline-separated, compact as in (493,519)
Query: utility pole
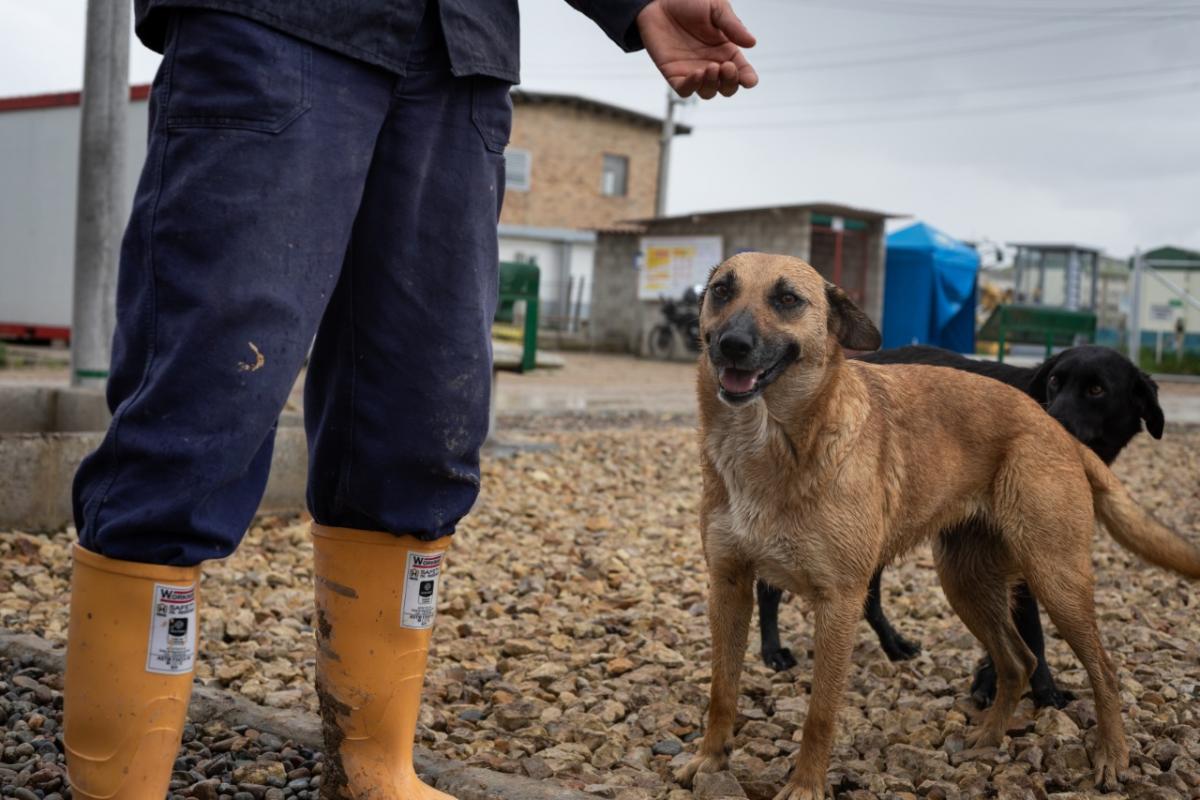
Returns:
(664,152)
(1135,309)
(100,209)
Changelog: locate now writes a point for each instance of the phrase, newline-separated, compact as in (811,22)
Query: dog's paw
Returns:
(700,763)
(983,687)
(900,649)
(797,791)
(1044,697)
(984,736)
(779,660)
(1111,762)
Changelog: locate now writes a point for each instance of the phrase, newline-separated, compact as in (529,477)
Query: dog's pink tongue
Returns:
(737,381)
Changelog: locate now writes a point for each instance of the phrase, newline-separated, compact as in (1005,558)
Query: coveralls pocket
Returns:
(255,79)
(491,111)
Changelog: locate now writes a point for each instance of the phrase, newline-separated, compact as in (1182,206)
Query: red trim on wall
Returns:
(17,330)
(137,92)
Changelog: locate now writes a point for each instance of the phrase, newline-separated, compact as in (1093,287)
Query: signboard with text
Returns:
(668,265)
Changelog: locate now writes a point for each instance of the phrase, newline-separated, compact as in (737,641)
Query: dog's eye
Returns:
(1095,390)
(1053,382)
(720,291)
(787,300)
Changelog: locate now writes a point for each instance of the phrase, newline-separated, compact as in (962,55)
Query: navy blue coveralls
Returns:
(314,169)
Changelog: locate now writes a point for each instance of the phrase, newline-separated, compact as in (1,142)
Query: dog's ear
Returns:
(1037,386)
(1145,396)
(849,325)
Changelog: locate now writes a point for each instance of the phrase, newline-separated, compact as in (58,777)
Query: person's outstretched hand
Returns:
(696,45)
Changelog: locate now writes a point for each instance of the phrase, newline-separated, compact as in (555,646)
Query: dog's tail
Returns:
(1132,527)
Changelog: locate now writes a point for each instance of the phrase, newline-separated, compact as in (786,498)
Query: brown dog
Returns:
(817,470)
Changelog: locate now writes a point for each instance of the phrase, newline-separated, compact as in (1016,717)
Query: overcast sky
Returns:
(1016,120)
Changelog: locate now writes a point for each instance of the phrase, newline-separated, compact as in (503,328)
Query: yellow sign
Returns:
(672,264)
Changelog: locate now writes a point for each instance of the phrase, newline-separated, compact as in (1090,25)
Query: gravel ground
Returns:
(572,643)
(215,761)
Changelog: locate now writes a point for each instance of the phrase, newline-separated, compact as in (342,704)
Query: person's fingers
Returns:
(727,82)
(681,87)
(747,76)
(686,85)
(708,86)
(728,23)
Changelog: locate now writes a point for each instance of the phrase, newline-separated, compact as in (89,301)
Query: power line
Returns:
(759,58)
(1042,11)
(941,94)
(1014,44)
(1025,42)
(1049,104)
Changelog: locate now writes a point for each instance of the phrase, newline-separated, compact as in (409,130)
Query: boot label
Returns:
(420,590)
(172,648)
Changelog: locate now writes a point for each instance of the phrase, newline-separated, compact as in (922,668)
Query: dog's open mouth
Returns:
(739,385)
(739,381)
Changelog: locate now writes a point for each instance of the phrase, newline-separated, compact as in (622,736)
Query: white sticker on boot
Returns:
(419,606)
(172,649)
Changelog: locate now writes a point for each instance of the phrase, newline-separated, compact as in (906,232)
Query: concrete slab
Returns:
(47,430)
(37,470)
(600,382)
(35,408)
(507,356)
(26,409)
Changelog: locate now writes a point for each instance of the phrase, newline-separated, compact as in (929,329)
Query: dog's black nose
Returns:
(735,344)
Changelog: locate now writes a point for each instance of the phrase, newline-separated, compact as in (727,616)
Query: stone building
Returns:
(845,244)
(574,165)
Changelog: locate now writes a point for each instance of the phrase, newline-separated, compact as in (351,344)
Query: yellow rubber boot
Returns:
(376,597)
(130,651)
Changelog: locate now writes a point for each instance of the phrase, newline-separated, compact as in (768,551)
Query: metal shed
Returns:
(1057,274)
(844,243)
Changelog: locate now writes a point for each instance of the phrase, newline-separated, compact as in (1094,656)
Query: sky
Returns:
(1010,120)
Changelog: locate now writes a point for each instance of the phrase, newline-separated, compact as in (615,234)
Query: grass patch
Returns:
(1171,363)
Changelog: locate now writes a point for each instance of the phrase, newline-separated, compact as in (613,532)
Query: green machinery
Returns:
(1023,324)
(519,281)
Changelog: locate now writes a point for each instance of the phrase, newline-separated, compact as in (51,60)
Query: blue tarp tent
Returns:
(929,293)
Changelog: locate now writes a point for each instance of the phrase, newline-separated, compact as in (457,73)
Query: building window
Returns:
(615,182)
(518,165)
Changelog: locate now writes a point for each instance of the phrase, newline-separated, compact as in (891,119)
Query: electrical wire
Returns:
(758,58)
(1046,105)
(1025,42)
(1007,11)
(742,107)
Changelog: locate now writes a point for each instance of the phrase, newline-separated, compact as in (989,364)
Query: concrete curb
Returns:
(45,431)
(218,705)
(38,470)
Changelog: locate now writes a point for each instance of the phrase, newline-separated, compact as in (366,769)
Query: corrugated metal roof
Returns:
(521,96)
(1056,246)
(1172,253)
(831,209)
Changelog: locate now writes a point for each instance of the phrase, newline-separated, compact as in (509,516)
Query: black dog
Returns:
(1099,396)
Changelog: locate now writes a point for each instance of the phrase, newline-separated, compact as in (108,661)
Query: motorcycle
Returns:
(681,317)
